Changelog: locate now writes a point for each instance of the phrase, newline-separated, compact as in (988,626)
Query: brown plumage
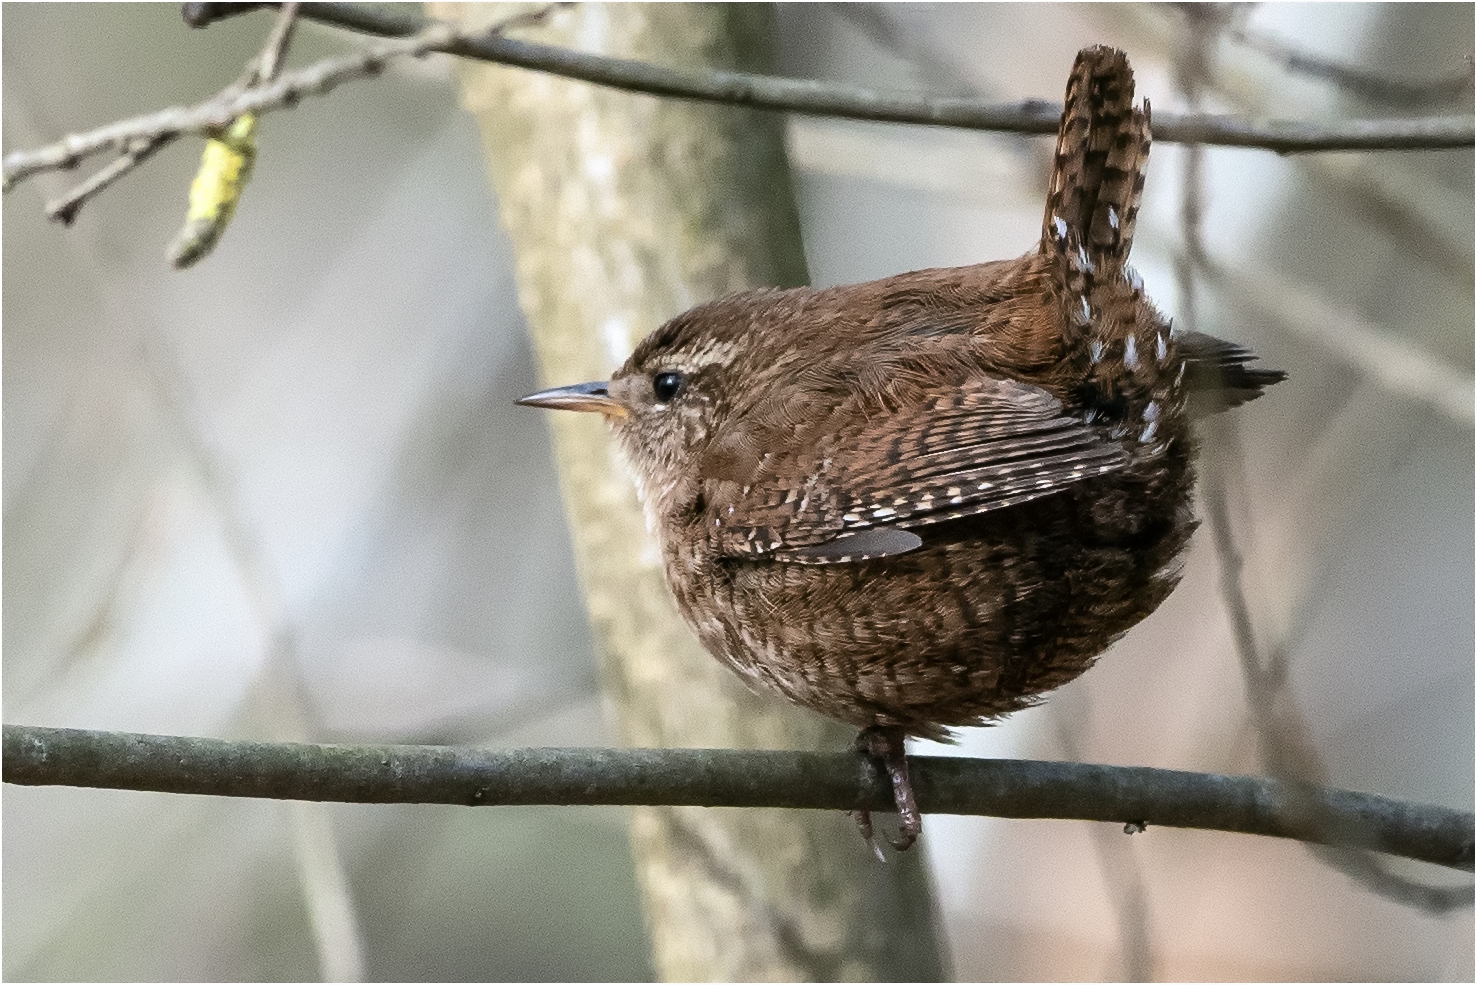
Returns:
(921,502)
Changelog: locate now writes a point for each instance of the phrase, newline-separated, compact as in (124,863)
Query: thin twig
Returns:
(135,152)
(319,865)
(1372,86)
(420,35)
(853,102)
(210,116)
(475,776)
(265,67)
(269,63)
(1412,207)
(258,92)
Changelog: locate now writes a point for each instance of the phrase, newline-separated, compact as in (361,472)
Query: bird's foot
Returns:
(885,743)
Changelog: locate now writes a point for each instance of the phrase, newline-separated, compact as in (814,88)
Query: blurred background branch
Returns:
(1378,87)
(1285,739)
(350,357)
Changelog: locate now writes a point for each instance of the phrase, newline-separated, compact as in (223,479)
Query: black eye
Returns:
(666,386)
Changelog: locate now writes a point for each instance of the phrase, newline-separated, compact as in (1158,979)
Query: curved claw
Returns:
(864,825)
(886,744)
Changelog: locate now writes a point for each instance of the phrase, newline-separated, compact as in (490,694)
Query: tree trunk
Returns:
(625,210)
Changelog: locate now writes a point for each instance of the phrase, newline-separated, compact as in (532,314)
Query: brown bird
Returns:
(922,502)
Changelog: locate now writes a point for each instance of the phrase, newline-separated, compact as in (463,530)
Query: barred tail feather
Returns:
(1097,175)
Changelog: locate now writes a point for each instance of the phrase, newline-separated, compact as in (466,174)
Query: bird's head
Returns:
(668,402)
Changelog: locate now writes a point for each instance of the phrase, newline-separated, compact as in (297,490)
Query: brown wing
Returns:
(871,482)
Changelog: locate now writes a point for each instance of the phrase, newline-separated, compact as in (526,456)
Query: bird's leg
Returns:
(885,742)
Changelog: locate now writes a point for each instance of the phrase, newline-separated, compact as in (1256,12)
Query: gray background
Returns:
(287,493)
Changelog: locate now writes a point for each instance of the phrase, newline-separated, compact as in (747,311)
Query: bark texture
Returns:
(624,211)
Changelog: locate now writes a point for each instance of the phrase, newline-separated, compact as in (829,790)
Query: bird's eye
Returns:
(666,386)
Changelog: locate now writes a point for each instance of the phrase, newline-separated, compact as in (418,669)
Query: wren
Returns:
(922,502)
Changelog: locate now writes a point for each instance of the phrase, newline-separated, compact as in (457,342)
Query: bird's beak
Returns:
(580,396)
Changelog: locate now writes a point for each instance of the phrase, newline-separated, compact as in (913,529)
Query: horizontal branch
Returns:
(1136,796)
(853,102)
(417,36)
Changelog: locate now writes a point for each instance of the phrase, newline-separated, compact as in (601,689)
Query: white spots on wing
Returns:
(883,513)
(1161,347)
(1131,352)
(1094,352)
(748,670)
(1112,217)
(953,491)
(1135,282)
(1151,422)
(851,517)
(1084,263)
(1059,228)
(1086,312)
